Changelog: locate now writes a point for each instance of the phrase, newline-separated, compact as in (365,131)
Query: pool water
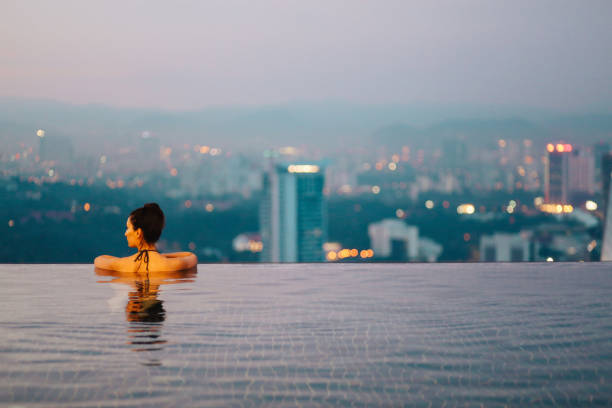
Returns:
(308,335)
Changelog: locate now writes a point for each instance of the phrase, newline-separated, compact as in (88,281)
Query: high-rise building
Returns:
(600,150)
(293,214)
(606,176)
(606,250)
(581,175)
(556,173)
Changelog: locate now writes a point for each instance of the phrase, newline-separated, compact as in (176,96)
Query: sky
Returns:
(189,55)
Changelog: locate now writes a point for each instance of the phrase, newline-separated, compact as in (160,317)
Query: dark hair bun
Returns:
(150,218)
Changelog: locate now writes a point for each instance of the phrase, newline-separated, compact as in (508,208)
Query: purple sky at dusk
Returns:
(193,54)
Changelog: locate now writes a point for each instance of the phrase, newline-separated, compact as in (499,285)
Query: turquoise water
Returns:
(308,335)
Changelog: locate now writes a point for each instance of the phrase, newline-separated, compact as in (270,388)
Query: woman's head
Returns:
(145,224)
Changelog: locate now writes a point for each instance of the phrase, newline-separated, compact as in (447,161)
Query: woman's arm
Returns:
(182,260)
(113,263)
(177,254)
(107,262)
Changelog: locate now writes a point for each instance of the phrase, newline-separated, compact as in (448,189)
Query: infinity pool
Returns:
(308,335)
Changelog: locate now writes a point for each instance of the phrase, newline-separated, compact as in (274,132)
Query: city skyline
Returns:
(453,193)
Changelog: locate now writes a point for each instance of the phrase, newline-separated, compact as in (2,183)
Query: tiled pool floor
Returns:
(308,335)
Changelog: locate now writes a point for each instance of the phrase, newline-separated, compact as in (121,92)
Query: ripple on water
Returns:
(386,335)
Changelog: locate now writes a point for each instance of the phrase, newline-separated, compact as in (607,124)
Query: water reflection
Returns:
(144,311)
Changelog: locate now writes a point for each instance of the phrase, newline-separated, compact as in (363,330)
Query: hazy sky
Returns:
(192,54)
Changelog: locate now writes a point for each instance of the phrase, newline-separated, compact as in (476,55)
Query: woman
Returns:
(143,229)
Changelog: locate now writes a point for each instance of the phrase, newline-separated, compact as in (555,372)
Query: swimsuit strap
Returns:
(145,258)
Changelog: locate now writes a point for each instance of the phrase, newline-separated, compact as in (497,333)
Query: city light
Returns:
(550,147)
(561,148)
(40,133)
(466,209)
(204,149)
(209,207)
(188,204)
(375,189)
(400,213)
(255,246)
(11,223)
(511,207)
(590,205)
(501,143)
(303,168)
(344,253)
(429,204)
(345,189)
(348,253)
(288,150)
(556,208)
(591,245)
(102,159)
(173,172)
(392,166)
(87,207)
(550,259)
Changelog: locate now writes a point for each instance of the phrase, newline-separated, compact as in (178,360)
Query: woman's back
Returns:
(143,229)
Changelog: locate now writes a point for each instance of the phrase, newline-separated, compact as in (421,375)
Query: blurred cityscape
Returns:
(452,194)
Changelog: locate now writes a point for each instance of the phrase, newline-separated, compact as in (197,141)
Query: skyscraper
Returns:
(606,176)
(600,150)
(556,174)
(606,250)
(581,177)
(293,214)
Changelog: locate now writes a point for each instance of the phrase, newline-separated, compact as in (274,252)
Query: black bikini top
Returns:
(144,258)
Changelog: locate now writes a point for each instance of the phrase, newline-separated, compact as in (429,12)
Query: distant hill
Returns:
(330,124)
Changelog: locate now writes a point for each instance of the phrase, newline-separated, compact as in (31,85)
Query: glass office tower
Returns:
(293,214)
